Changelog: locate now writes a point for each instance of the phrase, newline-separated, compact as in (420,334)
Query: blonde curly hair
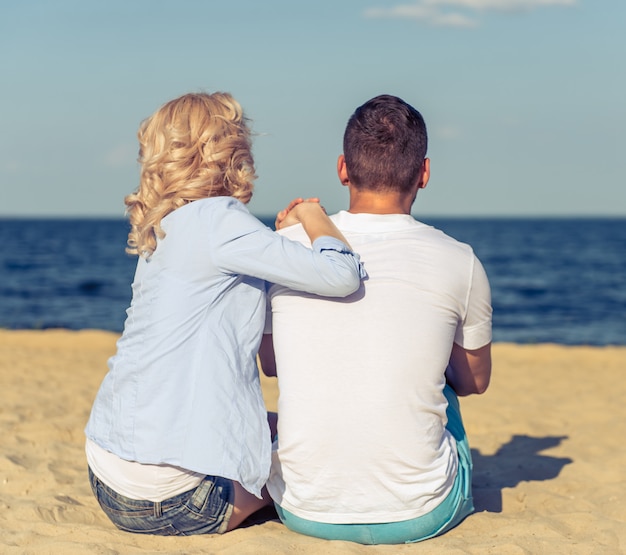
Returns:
(194,147)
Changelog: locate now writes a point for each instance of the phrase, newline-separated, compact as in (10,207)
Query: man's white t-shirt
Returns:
(362,415)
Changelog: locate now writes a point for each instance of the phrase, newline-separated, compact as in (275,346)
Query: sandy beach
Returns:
(547,438)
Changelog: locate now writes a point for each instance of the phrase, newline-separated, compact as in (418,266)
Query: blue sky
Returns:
(525,100)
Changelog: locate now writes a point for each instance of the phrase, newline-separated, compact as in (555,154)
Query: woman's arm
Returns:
(241,244)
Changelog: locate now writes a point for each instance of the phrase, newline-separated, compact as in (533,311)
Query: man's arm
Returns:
(470,370)
(266,356)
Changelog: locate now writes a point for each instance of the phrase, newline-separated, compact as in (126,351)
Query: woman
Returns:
(178,440)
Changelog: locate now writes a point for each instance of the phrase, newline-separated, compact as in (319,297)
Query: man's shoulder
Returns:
(364,229)
(394,226)
(295,233)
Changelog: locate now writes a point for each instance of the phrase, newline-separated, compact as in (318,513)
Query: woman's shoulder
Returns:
(226,216)
(214,204)
(207,210)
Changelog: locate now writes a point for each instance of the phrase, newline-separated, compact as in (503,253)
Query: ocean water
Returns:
(553,280)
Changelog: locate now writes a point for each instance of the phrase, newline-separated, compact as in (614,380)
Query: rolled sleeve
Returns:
(328,243)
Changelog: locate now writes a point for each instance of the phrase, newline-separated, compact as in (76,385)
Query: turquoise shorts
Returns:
(452,510)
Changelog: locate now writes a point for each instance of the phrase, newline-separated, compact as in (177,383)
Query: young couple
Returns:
(370,349)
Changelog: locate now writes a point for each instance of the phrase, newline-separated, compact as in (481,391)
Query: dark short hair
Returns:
(385,144)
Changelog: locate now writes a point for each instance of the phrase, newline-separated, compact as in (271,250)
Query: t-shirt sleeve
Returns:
(241,244)
(475,329)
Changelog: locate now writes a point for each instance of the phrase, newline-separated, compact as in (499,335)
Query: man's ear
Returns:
(342,171)
(424,175)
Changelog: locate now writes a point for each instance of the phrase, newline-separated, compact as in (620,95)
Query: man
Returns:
(371,446)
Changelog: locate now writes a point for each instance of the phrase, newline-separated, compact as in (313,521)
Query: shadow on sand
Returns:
(516,461)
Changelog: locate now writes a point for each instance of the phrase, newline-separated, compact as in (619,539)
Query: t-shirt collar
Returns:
(347,221)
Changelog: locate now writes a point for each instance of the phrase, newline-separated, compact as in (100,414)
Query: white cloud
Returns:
(458,13)
(500,5)
(10,166)
(453,19)
(447,132)
(121,155)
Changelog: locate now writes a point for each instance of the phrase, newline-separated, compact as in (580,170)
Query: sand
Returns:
(548,443)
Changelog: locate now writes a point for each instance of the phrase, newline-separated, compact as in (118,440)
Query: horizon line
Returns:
(573,215)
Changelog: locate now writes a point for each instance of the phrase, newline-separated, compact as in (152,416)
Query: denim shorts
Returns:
(453,509)
(203,510)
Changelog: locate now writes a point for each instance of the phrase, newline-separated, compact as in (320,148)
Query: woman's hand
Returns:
(311,214)
(288,216)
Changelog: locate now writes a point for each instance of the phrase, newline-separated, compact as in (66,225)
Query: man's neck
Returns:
(368,202)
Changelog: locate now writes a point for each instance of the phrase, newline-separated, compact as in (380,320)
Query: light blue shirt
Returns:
(183,388)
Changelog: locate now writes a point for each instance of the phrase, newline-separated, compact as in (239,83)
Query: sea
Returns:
(553,280)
